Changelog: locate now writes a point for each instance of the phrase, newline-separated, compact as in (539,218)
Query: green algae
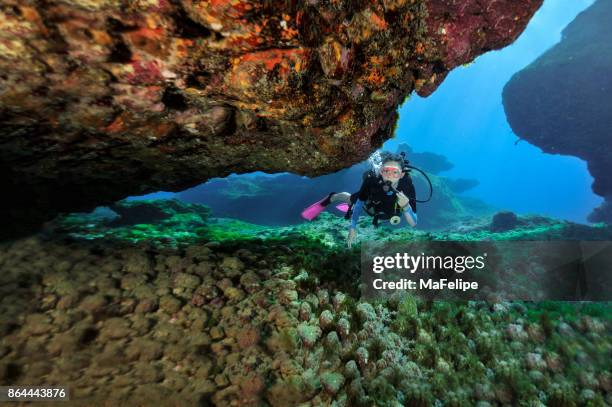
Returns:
(179,223)
(570,311)
(405,322)
(456,345)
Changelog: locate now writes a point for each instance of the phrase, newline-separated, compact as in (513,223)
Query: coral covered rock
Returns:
(68,315)
(101,100)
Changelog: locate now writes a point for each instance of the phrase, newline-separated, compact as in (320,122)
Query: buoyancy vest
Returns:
(377,202)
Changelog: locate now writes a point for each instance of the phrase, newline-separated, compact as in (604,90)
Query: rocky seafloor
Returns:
(175,307)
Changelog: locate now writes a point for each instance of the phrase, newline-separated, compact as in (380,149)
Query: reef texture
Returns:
(255,321)
(186,224)
(561,102)
(104,99)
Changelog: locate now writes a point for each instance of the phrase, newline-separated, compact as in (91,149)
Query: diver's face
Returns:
(391,171)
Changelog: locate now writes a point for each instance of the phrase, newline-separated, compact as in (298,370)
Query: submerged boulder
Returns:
(103,100)
(503,221)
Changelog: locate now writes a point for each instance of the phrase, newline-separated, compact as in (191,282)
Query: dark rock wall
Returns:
(431,162)
(104,99)
(561,102)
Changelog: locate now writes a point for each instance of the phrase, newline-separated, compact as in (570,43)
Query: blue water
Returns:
(465,121)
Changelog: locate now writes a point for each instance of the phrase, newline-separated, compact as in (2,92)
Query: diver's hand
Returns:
(402,200)
(351,236)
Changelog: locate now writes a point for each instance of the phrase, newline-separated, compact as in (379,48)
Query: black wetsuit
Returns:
(379,203)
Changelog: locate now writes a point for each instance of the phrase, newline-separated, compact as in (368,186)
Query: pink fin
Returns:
(343,207)
(313,210)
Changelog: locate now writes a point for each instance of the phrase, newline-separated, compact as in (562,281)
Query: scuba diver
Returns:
(385,194)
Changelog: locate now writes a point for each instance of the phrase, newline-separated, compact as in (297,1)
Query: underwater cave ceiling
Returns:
(561,102)
(100,100)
